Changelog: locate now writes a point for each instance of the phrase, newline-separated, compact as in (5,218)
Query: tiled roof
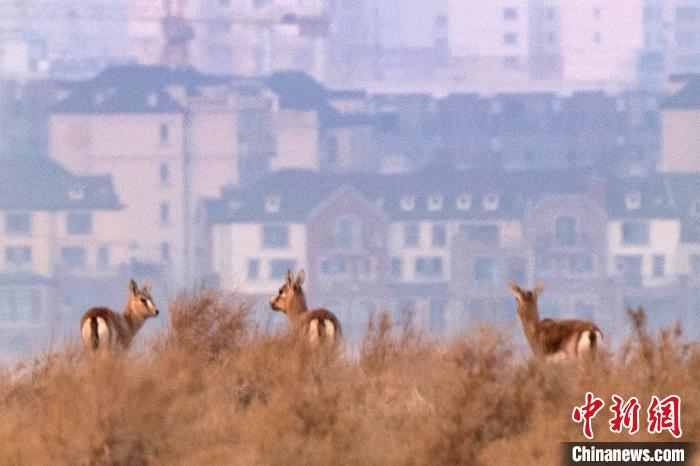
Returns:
(640,198)
(39,183)
(133,89)
(435,193)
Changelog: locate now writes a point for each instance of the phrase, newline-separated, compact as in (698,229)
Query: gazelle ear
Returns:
(300,278)
(133,287)
(288,278)
(147,287)
(517,292)
(539,288)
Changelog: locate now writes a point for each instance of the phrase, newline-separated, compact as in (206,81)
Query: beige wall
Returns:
(130,148)
(680,140)
(614,58)
(297,140)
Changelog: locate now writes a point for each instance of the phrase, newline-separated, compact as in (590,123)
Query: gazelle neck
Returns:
(530,318)
(297,306)
(133,320)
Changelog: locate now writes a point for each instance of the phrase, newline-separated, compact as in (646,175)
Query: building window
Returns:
(18,255)
(368,268)
(279,267)
(565,231)
(635,233)
(483,234)
(597,38)
(510,14)
(408,202)
(695,208)
(335,268)
(630,268)
(437,316)
(596,12)
(103,256)
(73,257)
(434,202)
(580,264)
(464,202)
(411,235)
(165,252)
(79,223)
(18,305)
(164,134)
(275,236)
(485,270)
(396,268)
(347,233)
(633,200)
(253,269)
(511,63)
(510,38)
(429,267)
(491,202)
(659,266)
(165,213)
(439,235)
(18,224)
(164,174)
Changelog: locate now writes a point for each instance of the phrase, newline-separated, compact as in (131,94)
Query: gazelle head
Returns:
(290,294)
(140,301)
(527,300)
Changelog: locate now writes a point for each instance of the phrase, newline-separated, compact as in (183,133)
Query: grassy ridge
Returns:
(214,390)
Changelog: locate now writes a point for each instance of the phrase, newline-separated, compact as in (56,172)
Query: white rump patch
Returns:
(313,331)
(330,329)
(103,333)
(584,341)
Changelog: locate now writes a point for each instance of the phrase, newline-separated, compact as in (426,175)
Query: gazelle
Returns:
(554,338)
(319,325)
(102,328)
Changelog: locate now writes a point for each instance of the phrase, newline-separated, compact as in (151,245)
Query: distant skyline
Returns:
(440,46)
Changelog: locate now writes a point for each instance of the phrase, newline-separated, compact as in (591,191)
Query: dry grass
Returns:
(214,390)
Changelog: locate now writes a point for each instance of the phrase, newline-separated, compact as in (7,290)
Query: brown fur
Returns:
(121,327)
(291,300)
(548,337)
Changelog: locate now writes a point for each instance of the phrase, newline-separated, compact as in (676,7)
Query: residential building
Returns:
(68,39)
(682,19)
(52,240)
(680,118)
(438,251)
(168,137)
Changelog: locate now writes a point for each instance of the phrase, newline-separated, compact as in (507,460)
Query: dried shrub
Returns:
(213,389)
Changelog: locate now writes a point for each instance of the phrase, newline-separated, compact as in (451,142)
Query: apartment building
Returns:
(52,237)
(168,137)
(680,118)
(68,39)
(437,247)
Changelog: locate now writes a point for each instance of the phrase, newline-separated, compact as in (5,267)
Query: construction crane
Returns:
(177,33)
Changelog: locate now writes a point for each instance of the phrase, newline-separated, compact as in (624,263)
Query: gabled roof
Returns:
(39,183)
(436,193)
(640,198)
(298,91)
(133,89)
